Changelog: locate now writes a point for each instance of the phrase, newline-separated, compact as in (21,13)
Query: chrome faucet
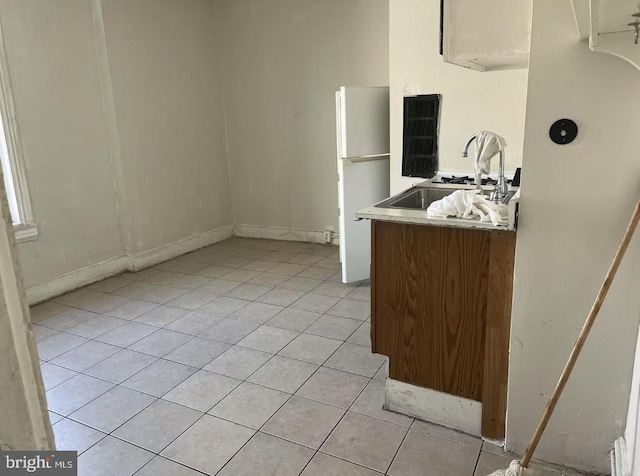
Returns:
(465,150)
(501,190)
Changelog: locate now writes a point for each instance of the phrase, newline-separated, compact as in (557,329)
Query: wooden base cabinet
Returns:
(441,310)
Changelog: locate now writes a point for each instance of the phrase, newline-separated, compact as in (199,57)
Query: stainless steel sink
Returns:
(422,197)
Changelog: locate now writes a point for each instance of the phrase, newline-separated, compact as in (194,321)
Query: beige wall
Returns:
(282,61)
(124,132)
(163,59)
(576,202)
(471,101)
(168,118)
(51,55)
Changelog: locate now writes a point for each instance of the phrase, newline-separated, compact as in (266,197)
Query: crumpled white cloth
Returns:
(488,144)
(469,205)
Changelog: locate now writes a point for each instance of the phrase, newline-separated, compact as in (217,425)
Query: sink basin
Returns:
(419,198)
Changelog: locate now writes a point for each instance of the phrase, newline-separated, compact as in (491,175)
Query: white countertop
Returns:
(419,216)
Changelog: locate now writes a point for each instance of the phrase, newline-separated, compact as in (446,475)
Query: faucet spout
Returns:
(465,150)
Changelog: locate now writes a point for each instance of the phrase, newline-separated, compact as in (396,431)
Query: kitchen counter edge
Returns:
(420,217)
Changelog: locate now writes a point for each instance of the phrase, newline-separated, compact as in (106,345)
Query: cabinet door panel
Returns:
(430,303)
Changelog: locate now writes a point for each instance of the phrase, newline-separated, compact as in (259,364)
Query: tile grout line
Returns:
(205,413)
(193,336)
(284,403)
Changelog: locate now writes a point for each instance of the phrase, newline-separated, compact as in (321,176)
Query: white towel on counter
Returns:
(488,144)
(469,205)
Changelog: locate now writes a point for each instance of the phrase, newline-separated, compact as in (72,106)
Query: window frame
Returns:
(27,228)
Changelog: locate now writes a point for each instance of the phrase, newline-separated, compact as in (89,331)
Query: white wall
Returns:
(163,58)
(471,101)
(576,202)
(165,108)
(51,55)
(124,128)
(282,61)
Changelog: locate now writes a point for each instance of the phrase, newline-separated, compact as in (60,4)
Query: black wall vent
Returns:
(420,136)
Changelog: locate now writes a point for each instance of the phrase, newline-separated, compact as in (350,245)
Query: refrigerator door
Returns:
(363,121)
(363,171)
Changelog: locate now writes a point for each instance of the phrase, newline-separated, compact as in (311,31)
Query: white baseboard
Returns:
(163,253)
(282,233)
(619,462)
(437,407)
(76,279)
(98,271)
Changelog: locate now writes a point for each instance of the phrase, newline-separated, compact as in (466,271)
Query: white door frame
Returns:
(23,405)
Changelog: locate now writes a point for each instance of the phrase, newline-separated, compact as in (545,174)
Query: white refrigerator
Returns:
(362,120)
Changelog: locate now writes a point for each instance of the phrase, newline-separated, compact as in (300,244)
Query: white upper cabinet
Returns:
(486,35)
(605,23)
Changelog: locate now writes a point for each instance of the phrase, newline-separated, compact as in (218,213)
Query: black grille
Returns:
(420,136)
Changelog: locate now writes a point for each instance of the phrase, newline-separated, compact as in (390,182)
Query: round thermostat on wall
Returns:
(563,131)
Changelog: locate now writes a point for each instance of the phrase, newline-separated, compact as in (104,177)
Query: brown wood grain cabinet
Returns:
(441,310)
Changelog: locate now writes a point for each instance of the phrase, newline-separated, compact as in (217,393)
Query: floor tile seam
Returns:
(300,332)
(334,427)
(227,376)
(292,395)
(347,342)
(226,294)
(356,330)
(104,433)
(274,355)
(289,396)
(271,436)
(351,462)
(94,444)
(350,409)
(94,338)
(40,323)
(168,284)
(353,373)
(87,403)
(315,452)
(255,432)
(120,384)
(110,433)
(293,358)
(50,361)
(156,398)
(352,318)
(450,439)
(83,372)
(52,315)
(113,293)
(475,467)
(325,360)
(176,462)
(360,413)
(159,453)
(150,325)
(158,329)
(395,455)
(357,396)
(161,303)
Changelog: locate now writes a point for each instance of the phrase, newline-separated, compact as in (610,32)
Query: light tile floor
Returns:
(247,357)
